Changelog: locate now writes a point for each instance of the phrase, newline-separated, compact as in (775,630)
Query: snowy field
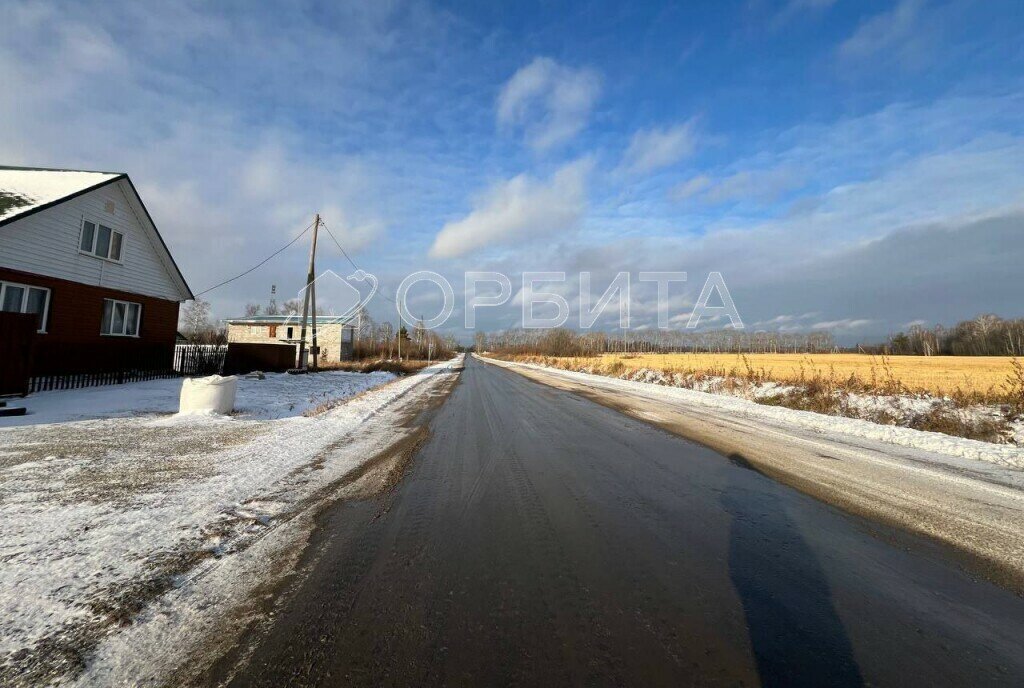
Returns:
(108,499)
(1008,456)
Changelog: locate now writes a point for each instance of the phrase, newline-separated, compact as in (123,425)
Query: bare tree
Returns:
(252,309)
(419,333)
(480,342)
(386,337)
(365,323)
(985,335)
(195,320)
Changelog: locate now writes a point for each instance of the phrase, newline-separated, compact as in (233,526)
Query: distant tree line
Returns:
(379,341)
(565,342)
(985,335)
(289,307)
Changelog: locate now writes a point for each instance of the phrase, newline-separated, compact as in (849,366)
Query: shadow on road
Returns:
(796,635)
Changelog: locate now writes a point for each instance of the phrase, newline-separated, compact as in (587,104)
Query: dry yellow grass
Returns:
(941,375)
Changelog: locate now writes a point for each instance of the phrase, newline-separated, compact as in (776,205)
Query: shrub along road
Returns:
(539,538)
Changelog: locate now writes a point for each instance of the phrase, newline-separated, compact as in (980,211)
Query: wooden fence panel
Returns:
(17,338)
(245,358)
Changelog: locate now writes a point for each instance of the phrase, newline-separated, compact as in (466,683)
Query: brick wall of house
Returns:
(73,343)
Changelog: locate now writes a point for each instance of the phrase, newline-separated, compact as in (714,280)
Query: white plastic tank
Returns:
(213,394)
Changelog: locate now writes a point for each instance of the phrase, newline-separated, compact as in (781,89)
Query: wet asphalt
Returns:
(540,539)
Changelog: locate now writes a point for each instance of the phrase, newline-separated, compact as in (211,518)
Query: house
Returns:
(334,335)
(80,251)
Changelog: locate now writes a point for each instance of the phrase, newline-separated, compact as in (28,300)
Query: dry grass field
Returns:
(987,378)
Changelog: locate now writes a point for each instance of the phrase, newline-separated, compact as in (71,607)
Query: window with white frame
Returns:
(101,241)
(120,318)
(24,298)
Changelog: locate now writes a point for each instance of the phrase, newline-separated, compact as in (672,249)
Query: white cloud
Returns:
(653,149)
(517,209)
(908,201)
(353,236)
(549,101)
(690,188)
(762,186)
(844,324)
(171,103)
(790,321)
(896,32)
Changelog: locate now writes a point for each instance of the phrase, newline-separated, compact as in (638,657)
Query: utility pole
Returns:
(312,312)
(310,278)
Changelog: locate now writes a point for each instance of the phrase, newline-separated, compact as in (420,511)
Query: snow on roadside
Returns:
(1004,455)
(860,405)
(278,396)
(99,516)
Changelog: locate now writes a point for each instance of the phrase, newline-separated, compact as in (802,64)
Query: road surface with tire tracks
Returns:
(539,538)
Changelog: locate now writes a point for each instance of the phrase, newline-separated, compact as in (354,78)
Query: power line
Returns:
(344,253)
(338,244)
(258,265)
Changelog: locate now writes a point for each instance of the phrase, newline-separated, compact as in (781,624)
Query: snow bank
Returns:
(278,396)
(1004,455)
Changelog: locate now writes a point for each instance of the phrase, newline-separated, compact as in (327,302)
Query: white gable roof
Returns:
(23,190)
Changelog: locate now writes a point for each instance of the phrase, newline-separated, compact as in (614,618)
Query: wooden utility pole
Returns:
(310,278)
(312,313)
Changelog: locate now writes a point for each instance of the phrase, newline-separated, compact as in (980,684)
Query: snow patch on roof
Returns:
(22,190)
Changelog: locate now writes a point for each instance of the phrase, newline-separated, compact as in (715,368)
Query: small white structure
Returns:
(213,394)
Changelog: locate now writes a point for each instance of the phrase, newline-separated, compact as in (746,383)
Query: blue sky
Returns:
(849,165)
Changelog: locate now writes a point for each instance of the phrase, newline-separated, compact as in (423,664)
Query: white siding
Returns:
(46,243)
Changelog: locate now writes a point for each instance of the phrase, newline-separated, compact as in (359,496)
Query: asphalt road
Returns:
(542,539)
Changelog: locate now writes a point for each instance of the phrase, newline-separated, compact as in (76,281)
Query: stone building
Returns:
(335,335)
